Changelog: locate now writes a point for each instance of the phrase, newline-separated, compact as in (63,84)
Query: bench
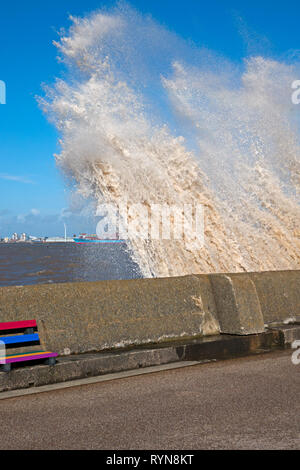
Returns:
(22,334)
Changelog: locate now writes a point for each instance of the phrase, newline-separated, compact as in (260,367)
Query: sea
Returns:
(45,263)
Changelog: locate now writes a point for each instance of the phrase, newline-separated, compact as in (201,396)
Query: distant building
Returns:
(24,237)
(15,237)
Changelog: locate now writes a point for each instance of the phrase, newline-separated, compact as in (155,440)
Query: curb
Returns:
(288,334)
(72,368)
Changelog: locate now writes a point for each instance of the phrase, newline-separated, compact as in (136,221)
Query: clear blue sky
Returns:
(28,177)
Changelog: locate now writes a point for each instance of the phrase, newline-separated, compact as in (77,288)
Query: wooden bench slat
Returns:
(29,357)
(15,325)
(20,338)
(28,353)
(15,354)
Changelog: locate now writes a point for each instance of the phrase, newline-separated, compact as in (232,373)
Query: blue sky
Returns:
(33,196)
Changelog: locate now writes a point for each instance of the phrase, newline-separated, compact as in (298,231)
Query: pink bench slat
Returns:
(14,325)
(30,358)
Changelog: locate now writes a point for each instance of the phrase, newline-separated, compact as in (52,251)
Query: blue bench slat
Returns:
(19,339)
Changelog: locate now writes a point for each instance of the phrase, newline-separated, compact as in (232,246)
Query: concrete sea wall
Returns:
(83,317)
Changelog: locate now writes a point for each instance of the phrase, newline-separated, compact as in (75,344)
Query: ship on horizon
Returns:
(85,238)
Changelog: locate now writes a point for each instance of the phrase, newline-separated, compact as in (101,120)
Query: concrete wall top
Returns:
(92,316)
(279,295)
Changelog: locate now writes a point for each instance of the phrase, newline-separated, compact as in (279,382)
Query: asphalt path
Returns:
(246,403)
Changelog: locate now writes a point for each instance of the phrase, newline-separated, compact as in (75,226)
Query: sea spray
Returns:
(147,118)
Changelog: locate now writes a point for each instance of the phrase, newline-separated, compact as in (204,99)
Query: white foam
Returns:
(147,118)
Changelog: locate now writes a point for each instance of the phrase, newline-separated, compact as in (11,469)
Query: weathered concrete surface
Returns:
(247,301)
(238,307)
(279,295)
(93,316)
(288,334)
(85,317)
(81,366)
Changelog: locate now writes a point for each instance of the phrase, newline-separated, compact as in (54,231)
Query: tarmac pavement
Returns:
(245,403)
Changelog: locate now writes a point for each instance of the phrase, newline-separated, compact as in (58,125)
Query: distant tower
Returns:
(2,92)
